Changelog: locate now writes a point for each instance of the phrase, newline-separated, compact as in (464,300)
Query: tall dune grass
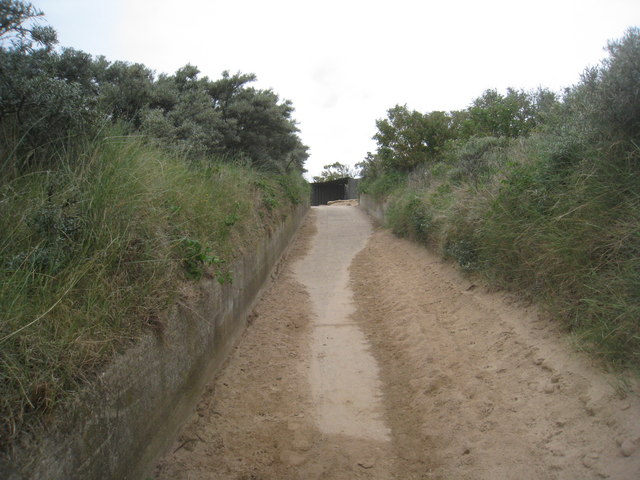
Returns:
(554,220)
(92,252)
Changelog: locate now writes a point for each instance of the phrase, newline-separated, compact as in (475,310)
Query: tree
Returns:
(370,166)
(46,96)
(334,171)
(608,96)
(19,28)
(124,90)
(409,138)
(496,115)
(224,117)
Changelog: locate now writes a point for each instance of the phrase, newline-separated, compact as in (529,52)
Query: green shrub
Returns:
(195,257)
(608,95)
(464,252)
(382,185)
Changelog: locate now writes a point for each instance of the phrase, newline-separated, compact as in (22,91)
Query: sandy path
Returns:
(387,364)
(343,375)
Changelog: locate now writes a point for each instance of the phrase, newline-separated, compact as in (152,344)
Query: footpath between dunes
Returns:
(371,358)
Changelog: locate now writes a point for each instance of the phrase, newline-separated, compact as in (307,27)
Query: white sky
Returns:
(344,63)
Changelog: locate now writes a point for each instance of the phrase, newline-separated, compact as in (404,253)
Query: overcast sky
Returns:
(344,63)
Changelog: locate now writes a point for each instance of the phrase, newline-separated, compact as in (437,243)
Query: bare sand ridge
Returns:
(370,358)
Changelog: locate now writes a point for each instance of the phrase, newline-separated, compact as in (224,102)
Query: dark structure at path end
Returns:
(340,189)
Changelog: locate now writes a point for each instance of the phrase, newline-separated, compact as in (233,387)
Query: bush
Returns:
(383,184)
(610,93)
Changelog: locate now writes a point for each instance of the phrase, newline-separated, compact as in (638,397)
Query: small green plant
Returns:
(464,252)
(295,188)
(195,257)
(421,219)
(269,193)
(57,231)
(231,219)
(270,202)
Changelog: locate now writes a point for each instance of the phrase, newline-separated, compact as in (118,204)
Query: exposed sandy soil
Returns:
(339,203)
(388,364)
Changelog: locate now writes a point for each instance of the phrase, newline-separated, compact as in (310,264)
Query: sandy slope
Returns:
(497,392)
(388,364)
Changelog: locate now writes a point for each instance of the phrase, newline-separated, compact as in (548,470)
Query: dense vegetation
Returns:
(115,187)
(538,192)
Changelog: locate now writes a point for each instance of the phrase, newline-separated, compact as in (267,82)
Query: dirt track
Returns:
(370,358)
